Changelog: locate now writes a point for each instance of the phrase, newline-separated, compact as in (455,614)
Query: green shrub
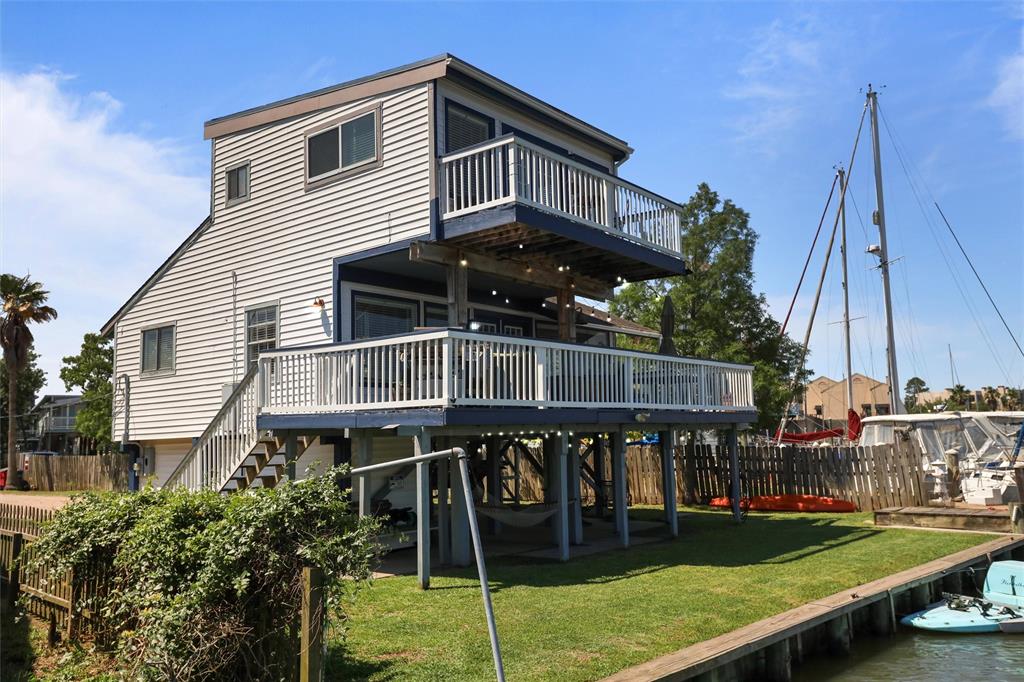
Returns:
(201,585)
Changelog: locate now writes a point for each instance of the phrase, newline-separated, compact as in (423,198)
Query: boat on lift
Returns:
(1000,608)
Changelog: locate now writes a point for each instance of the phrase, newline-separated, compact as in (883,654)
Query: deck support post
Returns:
(777,662)
(668,479)
(575,503)
(600,499)
(734,473)
(421,446)
(291,453)
(619,484)
(566,315)
(494,479)
(444,542)
(560,491)
(460,516)
(458,296)
(364,457)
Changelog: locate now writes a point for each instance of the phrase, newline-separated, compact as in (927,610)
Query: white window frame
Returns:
(159,371)
(228,201)
(343,171)
(277,327)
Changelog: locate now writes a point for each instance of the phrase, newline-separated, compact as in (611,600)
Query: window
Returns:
(375,316)
(865,410)
(158,350)
(238,183)
(485,327)
(343,146)
(465,127)
(512,330)
(435,315)
(260,332)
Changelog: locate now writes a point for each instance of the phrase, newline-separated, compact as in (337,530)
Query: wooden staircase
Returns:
(233,453)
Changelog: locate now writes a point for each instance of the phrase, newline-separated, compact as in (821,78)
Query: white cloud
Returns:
(1008,95)
(782,69)
(89,209)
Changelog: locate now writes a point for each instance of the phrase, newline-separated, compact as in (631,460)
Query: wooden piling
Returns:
(778,667)
(838,632)
(311,653)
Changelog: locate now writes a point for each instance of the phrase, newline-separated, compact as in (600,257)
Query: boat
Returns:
(793,503)
(982,444)
(1000,609)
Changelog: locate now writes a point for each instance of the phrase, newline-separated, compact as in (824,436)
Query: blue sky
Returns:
(104,169)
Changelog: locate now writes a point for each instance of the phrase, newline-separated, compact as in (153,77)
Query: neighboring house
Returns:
(825,399)
(53,426)
(392,263)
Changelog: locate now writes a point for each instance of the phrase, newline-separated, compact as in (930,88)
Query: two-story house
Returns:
(392,264)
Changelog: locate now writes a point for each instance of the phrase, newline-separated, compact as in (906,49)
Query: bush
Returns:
(202,585)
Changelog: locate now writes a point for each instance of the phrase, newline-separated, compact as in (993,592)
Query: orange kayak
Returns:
(800,503)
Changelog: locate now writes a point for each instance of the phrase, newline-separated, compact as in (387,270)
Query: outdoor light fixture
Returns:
(494,292)
(463,262)
(319,303)
(474,326)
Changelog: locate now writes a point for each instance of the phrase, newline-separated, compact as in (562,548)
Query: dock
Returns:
(985,519)
(769,649)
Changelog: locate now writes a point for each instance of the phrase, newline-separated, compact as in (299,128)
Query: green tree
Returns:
(914,386)
(91,371)
(31,380)
(990,396)
(24,303)
(718,313)
(1013,399)
(959,398)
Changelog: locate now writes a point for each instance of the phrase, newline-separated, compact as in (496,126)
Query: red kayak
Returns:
(798,503)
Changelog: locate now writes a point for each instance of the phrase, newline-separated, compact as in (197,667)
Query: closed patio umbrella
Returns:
(668,327)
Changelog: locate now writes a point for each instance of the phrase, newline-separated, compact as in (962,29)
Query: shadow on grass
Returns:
(341,665)
(16,655)
(707,539)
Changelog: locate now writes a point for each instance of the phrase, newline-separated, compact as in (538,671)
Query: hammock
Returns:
(530,515)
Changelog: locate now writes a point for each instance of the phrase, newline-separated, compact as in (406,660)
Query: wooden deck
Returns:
(987,519)
(763,650)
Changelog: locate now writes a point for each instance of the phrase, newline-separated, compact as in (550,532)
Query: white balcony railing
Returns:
(56,423)
(509,170)
(457,368)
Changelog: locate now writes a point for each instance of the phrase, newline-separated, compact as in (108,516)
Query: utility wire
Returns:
(982,283)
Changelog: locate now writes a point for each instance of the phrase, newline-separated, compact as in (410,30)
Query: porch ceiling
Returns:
(528,234)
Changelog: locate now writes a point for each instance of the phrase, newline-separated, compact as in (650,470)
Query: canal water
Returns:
(922,657)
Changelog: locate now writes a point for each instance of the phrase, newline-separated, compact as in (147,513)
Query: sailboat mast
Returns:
(895,405)
(846,292)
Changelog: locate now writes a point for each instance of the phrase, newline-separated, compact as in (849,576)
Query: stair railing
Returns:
(226,442)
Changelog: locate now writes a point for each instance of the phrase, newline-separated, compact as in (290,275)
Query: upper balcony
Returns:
(52,423)
(511,197)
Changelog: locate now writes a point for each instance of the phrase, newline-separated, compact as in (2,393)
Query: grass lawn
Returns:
(596,615)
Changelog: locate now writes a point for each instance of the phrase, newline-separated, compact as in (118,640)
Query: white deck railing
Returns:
(509,169)
(458,368)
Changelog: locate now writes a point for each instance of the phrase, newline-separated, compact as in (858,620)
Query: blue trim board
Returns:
(402,244)
(564,227)
(494,417)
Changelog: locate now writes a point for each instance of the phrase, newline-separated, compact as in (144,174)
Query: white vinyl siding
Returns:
(280,244)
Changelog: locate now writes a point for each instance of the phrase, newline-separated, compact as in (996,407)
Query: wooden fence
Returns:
(870,477)
(78,472)
(60,600)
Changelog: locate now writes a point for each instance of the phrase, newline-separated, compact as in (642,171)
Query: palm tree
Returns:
(23,302)
(959,398)
(991,398)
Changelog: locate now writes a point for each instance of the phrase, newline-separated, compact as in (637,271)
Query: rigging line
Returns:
(807,262)
(824,270)
(982,283)
(954,273)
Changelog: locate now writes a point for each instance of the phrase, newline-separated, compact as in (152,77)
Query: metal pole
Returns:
(895,406)
(474,529)
(481,568)
(846,293)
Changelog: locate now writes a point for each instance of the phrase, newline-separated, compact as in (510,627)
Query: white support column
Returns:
(668,478)
(421,446)
(575,503)
(364,457)
(460,519)
(619,484)
(734,473)
(560,491)
(494,478)
(444,542)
